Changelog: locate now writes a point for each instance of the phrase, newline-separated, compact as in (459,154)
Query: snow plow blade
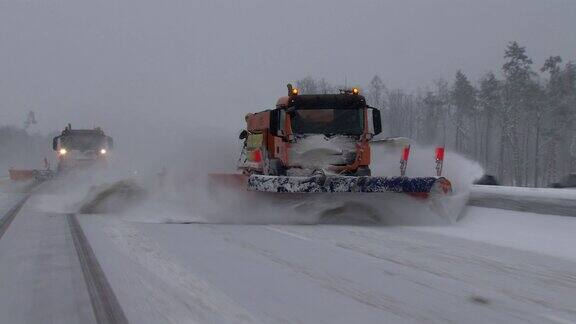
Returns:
(25,175)
(21,175)
(334,199)
(420,187)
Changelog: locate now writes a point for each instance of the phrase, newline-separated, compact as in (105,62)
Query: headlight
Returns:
(103,151)
(63,151)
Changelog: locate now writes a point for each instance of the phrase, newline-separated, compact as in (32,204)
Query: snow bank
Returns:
(536,200)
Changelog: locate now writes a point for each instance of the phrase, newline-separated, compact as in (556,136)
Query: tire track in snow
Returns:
(104,302)
(198,301)
(343,286)
(7,219)
(456,262)
(279,230)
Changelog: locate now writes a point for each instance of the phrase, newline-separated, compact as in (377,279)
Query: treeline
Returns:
(519,123)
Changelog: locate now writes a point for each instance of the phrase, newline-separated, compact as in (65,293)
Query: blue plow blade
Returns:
(325,184)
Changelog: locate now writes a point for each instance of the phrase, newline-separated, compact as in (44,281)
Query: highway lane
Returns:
(48,271)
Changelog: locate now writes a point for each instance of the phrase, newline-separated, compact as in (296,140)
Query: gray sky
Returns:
(136,65)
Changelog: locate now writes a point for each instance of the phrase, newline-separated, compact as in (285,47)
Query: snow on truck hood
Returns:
(319,151)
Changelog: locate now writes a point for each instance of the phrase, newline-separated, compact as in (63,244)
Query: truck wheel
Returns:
(363,172)
(276,168)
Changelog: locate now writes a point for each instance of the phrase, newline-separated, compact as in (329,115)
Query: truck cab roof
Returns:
(322,101)
(97,132)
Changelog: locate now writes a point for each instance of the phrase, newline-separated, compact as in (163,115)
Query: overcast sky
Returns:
(130,65)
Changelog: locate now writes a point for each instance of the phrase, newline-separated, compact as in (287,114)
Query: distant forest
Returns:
(518,122)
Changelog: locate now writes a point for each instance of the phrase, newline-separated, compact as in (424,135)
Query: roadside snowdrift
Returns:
(535,200)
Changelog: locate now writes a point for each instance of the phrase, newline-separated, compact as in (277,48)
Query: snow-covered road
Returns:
(493,266)
(333,274)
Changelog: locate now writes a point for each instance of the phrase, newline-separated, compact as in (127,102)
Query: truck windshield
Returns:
(83,142)
(328,121)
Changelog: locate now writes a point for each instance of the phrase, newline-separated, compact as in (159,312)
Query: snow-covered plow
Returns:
(335,199)
(420,187)
(20,175)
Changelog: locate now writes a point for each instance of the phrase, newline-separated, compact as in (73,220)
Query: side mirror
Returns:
(243,134)
(277,120)
(274,121)
(55,143)
(377,121)
(281,123)
(110,143)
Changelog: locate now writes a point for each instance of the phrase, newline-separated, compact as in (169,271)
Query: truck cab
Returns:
(76,148)
(309,133)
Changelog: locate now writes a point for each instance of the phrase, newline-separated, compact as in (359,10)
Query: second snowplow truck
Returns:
(320,143)
(78,148)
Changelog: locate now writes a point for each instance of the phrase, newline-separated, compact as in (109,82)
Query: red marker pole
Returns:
(404,160)
(439,160)
(258,156)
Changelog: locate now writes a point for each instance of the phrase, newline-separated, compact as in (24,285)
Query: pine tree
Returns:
(569,84)
(376,92)
(518,72)
(490,105)
(430,118)
(464,99)
(560,97)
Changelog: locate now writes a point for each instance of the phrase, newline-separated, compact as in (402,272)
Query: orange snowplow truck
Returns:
(319,143)
(310,133)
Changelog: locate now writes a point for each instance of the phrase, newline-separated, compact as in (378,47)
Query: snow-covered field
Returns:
(491,266)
